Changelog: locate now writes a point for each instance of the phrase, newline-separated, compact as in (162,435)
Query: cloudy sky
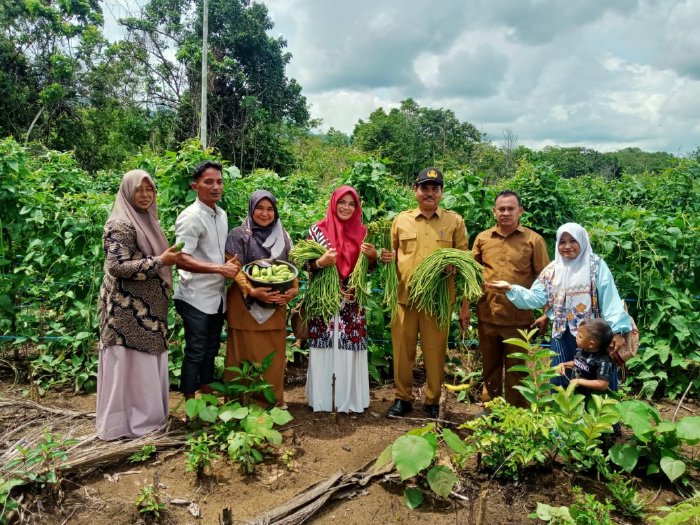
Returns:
(603,74)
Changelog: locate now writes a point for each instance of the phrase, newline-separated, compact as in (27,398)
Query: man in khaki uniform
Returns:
(516,254)
(416,234)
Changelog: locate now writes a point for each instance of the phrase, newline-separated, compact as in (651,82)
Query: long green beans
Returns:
(428,287)
(322,297)
(382,235)
(359,281)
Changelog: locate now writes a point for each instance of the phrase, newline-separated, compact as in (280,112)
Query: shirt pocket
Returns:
(408,242)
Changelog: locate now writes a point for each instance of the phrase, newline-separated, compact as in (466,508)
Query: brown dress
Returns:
(250,341)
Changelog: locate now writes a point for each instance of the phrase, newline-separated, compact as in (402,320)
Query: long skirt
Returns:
(132,392)
(350,370)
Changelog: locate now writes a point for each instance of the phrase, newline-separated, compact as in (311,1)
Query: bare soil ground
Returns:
(321,444)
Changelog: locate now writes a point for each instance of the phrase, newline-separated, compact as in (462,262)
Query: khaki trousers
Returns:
(494,356)
(408,323)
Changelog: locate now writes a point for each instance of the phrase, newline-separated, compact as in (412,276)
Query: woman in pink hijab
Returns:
(132,373)
(338,377)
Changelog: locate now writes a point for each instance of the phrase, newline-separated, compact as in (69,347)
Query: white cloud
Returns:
(599,74)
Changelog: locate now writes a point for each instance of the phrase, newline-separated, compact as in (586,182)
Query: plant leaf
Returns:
(636,415)
(688,428)
(441,480)
(383,459)
(454,441)
(673,468)
(209,413)
(625,456)
(411,455)
(280,417)
(231,412)
(412,497)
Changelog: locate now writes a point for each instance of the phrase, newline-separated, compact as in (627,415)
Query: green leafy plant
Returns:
(685,513)
(41,462)
(656,444)
(201,454)
(579,429)
(287,458)
(413,455)
(627,499)
(8,504)
(148,502)
(586,510)
(248,382)
(245,431)
(508,440)
(143,455)
(38,464)
(535,386)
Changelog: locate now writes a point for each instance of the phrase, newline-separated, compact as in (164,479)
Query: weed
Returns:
(148,502)
(143,455)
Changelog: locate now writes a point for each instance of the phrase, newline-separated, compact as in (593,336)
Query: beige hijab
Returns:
(149,235)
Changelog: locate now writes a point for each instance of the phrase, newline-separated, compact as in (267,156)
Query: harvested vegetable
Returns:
(179,246)
(359,278)
(382,235)
(322,297)
(275,273)
(428,289)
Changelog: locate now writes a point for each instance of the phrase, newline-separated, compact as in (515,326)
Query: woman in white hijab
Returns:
(132,372)
(577,285)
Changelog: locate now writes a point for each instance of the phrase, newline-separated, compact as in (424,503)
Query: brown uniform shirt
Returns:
(414,237)
(518,258)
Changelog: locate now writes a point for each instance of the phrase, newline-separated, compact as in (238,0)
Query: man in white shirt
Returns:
(200,298)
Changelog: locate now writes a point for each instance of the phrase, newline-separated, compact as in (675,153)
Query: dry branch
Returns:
(14,405)
(311,499)
(89,451)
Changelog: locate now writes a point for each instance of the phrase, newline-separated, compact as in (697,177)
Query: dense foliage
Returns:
(645,226)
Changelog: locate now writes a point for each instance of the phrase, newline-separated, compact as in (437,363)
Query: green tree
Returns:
(578,161)
(635,161)
(48,44)
(254,111)
(412,137)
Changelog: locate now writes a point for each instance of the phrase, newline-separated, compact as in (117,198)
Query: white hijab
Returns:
(573,274)
(568,282)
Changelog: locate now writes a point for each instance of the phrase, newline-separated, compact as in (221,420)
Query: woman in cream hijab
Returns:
(132,376)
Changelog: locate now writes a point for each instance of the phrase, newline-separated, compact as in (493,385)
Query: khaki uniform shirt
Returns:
(414,237)
(518,258)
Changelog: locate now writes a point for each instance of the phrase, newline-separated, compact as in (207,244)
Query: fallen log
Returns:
(311,499)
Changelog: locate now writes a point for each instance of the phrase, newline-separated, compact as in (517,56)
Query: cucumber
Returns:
(179,246)
(255,271)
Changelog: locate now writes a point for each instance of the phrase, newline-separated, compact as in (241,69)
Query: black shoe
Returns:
(399,408)
(432,410)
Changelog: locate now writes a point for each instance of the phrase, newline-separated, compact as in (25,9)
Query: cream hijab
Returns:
(149,235)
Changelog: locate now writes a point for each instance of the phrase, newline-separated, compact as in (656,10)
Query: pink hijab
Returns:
(346,237)
(149,235)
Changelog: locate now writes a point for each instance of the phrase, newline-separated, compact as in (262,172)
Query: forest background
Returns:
(78,111)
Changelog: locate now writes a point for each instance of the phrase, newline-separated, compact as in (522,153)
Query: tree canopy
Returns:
(412,137)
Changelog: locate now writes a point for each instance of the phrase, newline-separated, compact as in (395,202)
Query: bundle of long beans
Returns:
(359,278)
(322,297)
(428,286)
(382,236)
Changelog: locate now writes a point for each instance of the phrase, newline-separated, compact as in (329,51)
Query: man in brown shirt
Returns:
(516,254)
(416,234)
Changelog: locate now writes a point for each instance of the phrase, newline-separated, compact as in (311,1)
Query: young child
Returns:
(592,367)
